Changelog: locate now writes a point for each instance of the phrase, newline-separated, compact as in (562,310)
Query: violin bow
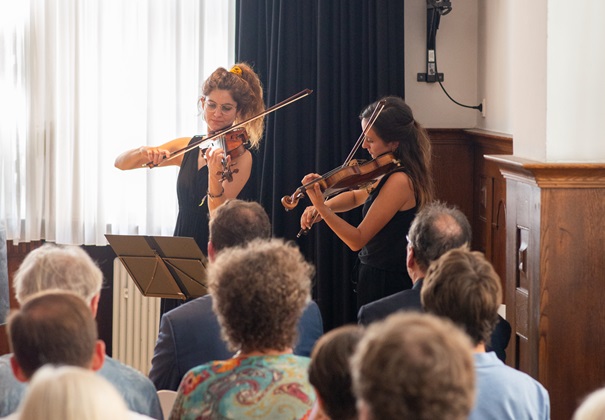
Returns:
(371,121)
(267,111)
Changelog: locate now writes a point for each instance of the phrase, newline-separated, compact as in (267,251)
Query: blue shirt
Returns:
(137,390)
(506,393)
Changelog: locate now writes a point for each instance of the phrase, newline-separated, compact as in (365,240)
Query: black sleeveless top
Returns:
(387,250)
(191,188)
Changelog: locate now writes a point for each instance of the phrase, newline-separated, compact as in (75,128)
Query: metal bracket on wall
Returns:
(429,78)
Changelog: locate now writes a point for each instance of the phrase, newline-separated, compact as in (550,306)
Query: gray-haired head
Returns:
(436,229)
(51,266)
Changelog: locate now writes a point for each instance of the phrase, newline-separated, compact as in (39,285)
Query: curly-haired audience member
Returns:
(330,373)
(190,335)
(413,366)
(259,294)
(464,287)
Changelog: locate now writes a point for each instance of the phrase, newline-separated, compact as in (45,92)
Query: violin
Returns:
(354,176)
(234,143)
(351,175)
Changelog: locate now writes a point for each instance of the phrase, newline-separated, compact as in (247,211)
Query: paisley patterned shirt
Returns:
(267,387)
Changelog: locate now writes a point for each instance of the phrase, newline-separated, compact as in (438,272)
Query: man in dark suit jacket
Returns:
(435,230)
(190,334)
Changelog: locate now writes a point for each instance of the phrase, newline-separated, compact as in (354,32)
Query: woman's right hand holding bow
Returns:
(156,155)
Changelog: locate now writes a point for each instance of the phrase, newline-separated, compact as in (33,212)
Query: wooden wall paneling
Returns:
(453,168)
(464,177)
(572,290)
(489,203)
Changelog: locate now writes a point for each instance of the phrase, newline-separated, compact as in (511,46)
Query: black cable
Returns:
(432,28)
(477,107)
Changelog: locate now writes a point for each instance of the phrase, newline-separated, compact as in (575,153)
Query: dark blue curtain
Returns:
(350,53)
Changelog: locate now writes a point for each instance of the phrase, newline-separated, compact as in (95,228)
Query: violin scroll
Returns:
(291,201)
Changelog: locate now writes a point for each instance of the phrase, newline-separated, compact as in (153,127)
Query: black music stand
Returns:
(163,266)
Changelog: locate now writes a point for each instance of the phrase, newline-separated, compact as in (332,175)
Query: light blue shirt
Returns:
(136,389)
(506,393)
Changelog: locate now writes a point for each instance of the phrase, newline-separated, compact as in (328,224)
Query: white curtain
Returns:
(83,80)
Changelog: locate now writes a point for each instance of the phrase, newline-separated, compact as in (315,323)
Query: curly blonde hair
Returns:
(259,293)
(247,92)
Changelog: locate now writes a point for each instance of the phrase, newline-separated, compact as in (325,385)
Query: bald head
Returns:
(436,229)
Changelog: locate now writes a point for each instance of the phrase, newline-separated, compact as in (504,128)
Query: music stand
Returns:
(163,266)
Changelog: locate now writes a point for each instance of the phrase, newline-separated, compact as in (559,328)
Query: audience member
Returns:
(593,407)
(463,286)
(413,366)
(190,334)
(436,229)
(330,373)
(71,393)
(58,328)
(260,292)
(69,268)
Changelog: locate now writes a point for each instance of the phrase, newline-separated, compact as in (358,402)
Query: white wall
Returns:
(575,83)
(494,64)
(457,54)
(539,65)
(529,73)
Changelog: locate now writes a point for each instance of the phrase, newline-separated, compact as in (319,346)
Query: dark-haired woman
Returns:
(389,205)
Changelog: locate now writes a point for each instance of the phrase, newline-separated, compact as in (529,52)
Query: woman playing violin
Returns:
(389,205)
(228,97)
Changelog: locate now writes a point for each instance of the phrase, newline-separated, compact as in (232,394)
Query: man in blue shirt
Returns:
(463,286)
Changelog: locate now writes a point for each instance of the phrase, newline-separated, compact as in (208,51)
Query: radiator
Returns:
(136,321)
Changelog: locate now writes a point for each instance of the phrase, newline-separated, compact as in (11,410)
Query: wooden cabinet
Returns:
(489,199)
(556,276)
(463,177)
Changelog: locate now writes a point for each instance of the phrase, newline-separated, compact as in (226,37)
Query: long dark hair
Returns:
(396,124)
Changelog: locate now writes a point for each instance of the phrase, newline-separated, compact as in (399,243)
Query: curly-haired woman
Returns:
(259,294)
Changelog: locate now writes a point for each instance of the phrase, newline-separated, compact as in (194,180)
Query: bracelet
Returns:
(218,195)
